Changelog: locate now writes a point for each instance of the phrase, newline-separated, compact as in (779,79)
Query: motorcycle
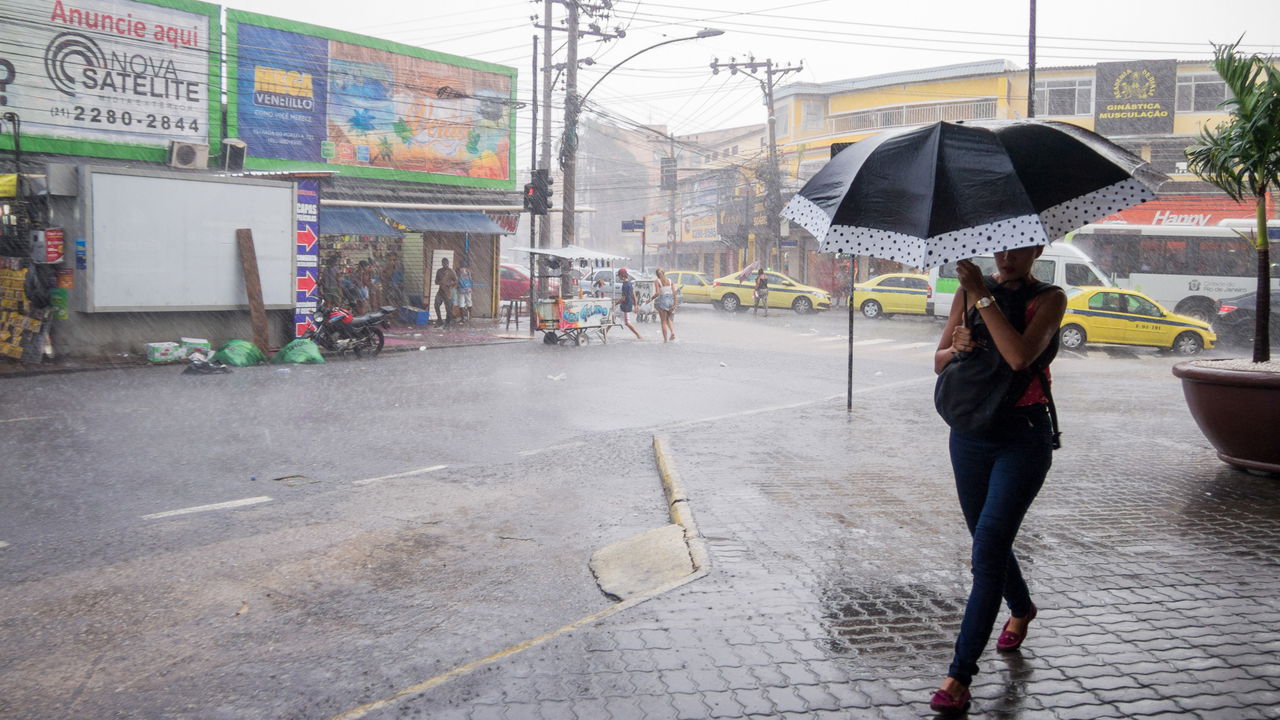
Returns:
(335,329)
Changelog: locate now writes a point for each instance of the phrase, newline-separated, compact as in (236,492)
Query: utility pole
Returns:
(671,200)
(572,107)
(773,185)
(544,162)
(533,218)
(1031,64)
(569,160)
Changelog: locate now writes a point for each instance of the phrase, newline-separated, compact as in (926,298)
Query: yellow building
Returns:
(1154,108)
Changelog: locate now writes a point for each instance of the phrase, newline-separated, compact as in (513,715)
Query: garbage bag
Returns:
(239,353)
(301,350)
(200,366)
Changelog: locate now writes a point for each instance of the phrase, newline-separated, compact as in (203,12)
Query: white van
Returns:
(1063,265)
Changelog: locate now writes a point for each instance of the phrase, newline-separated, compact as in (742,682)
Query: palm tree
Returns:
(1241,157)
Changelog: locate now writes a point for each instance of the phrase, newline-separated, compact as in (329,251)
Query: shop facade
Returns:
(144,209)
(394,253)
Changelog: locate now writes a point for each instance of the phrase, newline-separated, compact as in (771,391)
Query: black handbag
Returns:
(976,389)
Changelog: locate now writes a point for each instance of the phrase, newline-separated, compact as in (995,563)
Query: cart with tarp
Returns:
(567,317)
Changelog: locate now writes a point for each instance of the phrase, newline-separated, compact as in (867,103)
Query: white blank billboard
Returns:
(169,243)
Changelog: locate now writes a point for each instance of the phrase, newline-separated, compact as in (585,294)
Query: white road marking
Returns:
(204,508)
(3,544)
(36,417)
(550,448)
(792,406)
(873,341)
(421,471)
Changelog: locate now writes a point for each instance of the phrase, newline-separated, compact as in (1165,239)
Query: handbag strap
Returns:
(1053,410)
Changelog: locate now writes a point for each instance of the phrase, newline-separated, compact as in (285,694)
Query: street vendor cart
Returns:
(574,320)
(569,316)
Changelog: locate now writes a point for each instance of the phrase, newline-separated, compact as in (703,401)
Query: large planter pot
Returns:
(1237,410)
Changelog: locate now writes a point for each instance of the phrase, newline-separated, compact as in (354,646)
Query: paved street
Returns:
(838,558)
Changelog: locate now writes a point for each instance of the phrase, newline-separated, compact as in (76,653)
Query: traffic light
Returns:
(540,197)
(529,193)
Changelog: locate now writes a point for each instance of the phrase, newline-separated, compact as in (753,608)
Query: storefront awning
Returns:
(458,221)
(354,221)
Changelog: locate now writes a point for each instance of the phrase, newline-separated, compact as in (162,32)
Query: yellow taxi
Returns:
(736,291)
(893,293)
(693,286)
(1127,317)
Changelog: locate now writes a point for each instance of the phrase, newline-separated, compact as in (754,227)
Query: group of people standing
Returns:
(372,282)
(453,292)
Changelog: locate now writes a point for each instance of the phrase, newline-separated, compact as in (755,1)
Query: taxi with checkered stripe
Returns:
(1114,316)
(893,293)
(737,291)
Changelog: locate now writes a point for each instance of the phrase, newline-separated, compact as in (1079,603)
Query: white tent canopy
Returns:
(571,252)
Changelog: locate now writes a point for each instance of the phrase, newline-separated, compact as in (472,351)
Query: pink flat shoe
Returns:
(1010,641)
(945,703)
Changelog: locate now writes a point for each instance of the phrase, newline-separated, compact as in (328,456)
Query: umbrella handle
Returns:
(964,308)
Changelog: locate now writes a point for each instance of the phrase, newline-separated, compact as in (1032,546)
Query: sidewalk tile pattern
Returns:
(839,572)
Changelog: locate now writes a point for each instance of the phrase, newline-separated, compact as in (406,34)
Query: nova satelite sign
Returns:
(112,78)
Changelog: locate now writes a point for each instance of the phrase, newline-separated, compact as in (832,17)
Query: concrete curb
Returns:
(678,506)
(58,370)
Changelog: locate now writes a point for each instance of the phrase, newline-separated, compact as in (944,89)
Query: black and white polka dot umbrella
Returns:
(929,195)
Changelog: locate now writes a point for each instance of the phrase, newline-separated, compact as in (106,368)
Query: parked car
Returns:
(893,293)
(604,281)
(693,286)
(513,281)
(1236,318)
(736,291)
(1127,317)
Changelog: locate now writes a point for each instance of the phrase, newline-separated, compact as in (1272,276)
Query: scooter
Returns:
(335,329)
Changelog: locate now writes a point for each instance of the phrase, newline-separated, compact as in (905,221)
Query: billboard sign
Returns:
(1135,98)
(305,97)
(1207,210)
(112,78)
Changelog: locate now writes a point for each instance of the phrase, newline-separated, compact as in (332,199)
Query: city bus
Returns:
(1185,269)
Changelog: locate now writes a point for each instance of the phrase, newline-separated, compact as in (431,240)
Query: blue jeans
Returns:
(998,475)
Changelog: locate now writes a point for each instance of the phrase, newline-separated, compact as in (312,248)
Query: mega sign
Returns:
(112,78)
(306,97)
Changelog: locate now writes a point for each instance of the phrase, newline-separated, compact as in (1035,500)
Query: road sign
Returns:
(633,226)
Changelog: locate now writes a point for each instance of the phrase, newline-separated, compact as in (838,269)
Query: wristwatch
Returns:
(985,302)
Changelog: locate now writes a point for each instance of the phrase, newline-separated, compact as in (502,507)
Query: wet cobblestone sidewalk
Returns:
(839,570)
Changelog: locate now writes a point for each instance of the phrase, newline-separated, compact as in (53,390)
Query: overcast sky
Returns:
(833,39)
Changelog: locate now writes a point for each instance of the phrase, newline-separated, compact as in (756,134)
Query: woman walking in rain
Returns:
(664,300)
(761,294)
(627,303)
(999,472)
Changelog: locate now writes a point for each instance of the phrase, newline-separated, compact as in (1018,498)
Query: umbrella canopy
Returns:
(748,270)
(929,195)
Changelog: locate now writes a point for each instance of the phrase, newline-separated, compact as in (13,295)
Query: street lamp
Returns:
(569,141)
(704,33)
